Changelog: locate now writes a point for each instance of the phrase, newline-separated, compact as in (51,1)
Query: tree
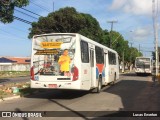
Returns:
(120,45)
(105,39)
(133,54)
(7,9)
(67,20)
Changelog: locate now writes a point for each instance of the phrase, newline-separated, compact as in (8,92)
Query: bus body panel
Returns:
(88,73)
(56,85)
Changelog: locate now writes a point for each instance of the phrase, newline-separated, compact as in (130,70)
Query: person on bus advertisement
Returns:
(64,62)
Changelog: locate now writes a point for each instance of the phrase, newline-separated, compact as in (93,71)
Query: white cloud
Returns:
(137,7)
(142,33)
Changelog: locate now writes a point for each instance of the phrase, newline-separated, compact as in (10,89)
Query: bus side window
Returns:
(84,52)
(99,55)
(112,58)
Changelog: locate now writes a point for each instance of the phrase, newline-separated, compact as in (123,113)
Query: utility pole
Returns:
(53,6)
(123,66)
(131,59)
(131,54)
(155,26)
(112,22)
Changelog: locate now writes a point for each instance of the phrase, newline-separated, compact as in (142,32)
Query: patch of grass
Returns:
(6,74)
(22,88)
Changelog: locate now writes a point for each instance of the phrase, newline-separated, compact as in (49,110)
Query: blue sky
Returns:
(134,22)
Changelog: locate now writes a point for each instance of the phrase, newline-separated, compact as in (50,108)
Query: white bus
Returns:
(143,65)
(88,65)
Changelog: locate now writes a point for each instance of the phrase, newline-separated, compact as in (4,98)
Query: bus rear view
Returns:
(71,61)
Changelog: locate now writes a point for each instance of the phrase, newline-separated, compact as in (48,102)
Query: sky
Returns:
(134,22)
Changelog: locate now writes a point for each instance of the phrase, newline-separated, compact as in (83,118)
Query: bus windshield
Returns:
(53,54)
(143,62)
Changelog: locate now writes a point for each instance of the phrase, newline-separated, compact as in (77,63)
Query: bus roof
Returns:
(74,34)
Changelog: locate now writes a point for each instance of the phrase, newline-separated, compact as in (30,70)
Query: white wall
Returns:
(15,67)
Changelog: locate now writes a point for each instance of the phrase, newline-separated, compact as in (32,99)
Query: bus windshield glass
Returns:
(143,62)
(53,54)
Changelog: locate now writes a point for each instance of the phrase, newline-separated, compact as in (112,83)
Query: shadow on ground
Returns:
(135,96)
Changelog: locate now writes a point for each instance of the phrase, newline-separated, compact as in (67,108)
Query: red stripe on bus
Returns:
(100,67)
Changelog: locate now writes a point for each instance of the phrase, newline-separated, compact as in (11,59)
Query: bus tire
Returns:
(98,89)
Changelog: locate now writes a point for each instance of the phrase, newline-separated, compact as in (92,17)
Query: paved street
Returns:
(130,93)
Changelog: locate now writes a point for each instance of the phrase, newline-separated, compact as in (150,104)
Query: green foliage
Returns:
(5,74)
(67,20)
(105,39)
(7,9)
(119,44)
(133,54)
(90,28)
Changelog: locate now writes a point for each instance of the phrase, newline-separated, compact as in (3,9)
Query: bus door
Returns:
(93,77)
(85,66)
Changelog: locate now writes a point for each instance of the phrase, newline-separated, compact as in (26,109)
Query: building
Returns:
(5,61)
(14,64)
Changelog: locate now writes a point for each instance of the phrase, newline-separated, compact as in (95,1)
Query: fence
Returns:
(15,67)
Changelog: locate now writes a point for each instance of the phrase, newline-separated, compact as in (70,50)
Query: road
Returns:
(130,93)
(4,81)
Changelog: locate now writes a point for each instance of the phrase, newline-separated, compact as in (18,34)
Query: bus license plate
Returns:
(52,85)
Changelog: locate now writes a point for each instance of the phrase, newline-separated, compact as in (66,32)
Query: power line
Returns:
(147,47)
(44,2)
(17,29)
(26,14)
(146,51)
(40,6)
(22,20)
(11,38)
(12,34)
(31,12)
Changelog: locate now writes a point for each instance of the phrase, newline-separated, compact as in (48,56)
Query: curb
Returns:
(17,96)
(9,98)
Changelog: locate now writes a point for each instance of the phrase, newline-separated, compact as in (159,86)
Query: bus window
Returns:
(47,51)
(84,52)
(112,58)
(99,55)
